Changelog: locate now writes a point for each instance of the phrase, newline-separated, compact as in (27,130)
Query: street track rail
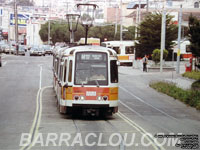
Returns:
(141,100)
(154,143)
(154,124)
(121,146)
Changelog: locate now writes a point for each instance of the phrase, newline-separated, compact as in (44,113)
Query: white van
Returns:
(124,50)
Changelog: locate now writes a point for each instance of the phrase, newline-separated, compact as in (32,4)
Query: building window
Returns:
(196,5)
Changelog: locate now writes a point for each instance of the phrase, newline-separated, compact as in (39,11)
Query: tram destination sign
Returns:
(92,56)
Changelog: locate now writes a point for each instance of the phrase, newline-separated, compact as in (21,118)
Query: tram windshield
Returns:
(91,68)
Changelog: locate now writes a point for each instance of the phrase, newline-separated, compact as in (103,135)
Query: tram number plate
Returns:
(91,93)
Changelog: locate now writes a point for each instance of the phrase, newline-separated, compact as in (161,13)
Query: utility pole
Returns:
(163,34)
(147,6)
(49,27)
(179,40)
(116,19)
(121,21)
(9,31)
(136,26)
(139,18)
(16,26)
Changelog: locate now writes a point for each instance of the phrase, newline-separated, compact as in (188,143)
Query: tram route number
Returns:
(91,93)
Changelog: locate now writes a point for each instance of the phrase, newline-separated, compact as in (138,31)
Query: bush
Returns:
(190,97)
(192,75)
(196,85)
(156,55)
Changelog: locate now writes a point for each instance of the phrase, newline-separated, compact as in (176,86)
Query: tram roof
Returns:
(70,50)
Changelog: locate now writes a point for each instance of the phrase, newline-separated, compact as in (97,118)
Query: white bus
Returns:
(124,50)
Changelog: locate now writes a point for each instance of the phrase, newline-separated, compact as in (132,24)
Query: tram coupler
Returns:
(90,112)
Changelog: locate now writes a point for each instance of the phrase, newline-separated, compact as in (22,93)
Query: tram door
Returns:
(60,76)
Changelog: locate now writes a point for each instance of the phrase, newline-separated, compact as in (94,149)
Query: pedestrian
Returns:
(145,61)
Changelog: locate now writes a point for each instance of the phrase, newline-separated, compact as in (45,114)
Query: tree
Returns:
(194,35)
(103,32)
(150,34)
(109,33)
(59,32)
(130,34)
(156,55)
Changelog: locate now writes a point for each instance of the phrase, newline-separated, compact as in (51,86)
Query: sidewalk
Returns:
(171,76)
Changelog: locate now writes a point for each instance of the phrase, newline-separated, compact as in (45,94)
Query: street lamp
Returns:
(87,16)
(72,20)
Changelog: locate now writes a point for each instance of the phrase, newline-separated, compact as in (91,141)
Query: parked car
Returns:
(48,49)
(3,46)
(37,51)
(21,50)
(7,49)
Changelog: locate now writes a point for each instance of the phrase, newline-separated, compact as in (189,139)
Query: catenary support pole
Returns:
(163,32)
(179,40)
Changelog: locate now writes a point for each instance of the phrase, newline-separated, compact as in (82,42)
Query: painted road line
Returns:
(153,141)
(143,101)
(34,121)
(143,116)
(37,118)
(38,112)
(40,85)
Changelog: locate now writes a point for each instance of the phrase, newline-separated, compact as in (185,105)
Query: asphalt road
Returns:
(28,105)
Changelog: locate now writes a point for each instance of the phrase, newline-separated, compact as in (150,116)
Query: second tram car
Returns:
(124,50)
(86,80)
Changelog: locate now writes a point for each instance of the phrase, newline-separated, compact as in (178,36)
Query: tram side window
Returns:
(65,71)
(129,50)
(57,67)
(61,72)
(117,49)
(114,71)
(70,71)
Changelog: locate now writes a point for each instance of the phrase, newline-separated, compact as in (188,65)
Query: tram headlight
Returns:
(82,97)
(99,98)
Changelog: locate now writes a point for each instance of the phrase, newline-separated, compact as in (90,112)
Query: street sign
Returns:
(22,19)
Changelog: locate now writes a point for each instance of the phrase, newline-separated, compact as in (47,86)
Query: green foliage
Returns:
(156,55)
(194,36)
(59,32)
(190,97)
(104,32)
(130,34)
(196,85)
(109,33)
(150,34)
(193,75)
